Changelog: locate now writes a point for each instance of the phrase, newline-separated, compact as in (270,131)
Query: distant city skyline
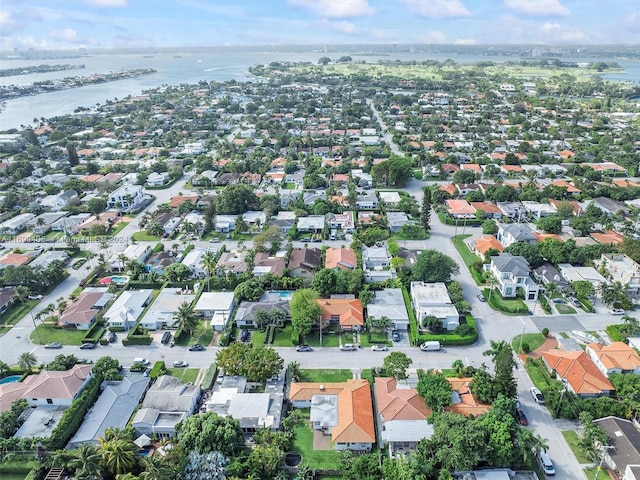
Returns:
(72,24)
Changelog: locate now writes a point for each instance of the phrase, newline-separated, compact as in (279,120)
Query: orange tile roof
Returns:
(576,206)
(468,404)
(343,258)
(92,178)
(543,236)
(474,167)
(460,207)
(486,207)
(483,244)
(617,355)
(624,183)
(564,184)
(449,188)
(348,310)
(398,403)
(355,410)
(579,371)
(15,259)
(566,153)
(609,237)
(512,168)
(603,167)
(179,200)
(81,310)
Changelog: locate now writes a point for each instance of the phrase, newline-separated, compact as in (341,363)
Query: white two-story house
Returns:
(511,273)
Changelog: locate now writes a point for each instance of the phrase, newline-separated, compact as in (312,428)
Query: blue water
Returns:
(144,452)
(186,67)
(284,294)
(11,379)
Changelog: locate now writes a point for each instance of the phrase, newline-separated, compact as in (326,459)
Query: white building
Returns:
(162,310)
(14,225)
(127,308)
(432,300)
(218,306)
(136,253)
(156,179)
(193,260)
(126,197)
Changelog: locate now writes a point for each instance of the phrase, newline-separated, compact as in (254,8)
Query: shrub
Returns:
(138,367)
(159,368)
(545,331)
(209,377)
(526,348)
(295,338)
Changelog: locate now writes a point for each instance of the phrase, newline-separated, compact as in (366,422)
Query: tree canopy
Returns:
(256,362)
(304,309)
(434,266)
(206,432)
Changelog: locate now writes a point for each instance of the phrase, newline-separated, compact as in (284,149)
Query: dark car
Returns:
(245,336)
(112,337)
(196,348)
(522,418)
(166,338)
(395,336)
(87,346)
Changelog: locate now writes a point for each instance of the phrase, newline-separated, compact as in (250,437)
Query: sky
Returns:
(71,24)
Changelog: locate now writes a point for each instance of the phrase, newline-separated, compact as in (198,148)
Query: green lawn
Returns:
(142,236)
(419,235)
(467,255)
(538,373)
(326,374)
(203,335)
(565,309)
(185,375)
(16,312)
(592,472)
(572,439)
(282,337)
(48,334)
(328,340)
(534,340)
(376,337)
(316,459)
(509,306)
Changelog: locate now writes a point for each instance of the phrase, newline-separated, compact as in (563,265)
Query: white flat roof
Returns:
(215,301)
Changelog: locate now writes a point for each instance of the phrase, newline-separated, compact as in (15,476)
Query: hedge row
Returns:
(137,340)
(209,377)
(453,338)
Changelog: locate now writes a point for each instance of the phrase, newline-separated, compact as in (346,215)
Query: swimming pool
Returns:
(284,294)
(115,279)
(11,379)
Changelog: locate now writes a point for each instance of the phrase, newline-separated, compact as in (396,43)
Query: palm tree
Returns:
(21,294)
(27,361)
(118,455)
(87,462)
(155,468)
(4,368)
(496,348)
(209,264)
(186,318)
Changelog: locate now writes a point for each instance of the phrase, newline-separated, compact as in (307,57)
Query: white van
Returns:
(546,464)
(143,361)
(430,346)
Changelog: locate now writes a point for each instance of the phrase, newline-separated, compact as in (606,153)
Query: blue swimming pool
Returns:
(284,294)
(11,379)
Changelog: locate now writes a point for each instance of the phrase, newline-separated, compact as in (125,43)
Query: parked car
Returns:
(53,345)
(141,361)
(196,348)
(575,301)
(304,348)
(430,346)
(348,347)
(395,336)
(166,338)
(180,364)
(305,240)
(87,346)
(481,297)
(617,311)
(537,395)
(522,418)
(35,297)
(379,348)
(245,335)
(112,337)
(546,464)
(559,300)
(85,360)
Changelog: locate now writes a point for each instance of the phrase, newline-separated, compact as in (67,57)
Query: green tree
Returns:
(27,361)
(489,227)
(205,466)
(396,365)
(118,455)
(264,461)
(551,224)
(21,294)
(434,266)
(454,445)
(396,171)
(96,205)
(236,199)
(177,272)
(256,362)
(564,209)
(526,250)
(425,213)
(365,466)
(269,240)
(324,282)
(304,309)
(186,318)
(86,462)
(72,155)
(208,432)
(434,388)
(583,288)
(208,262)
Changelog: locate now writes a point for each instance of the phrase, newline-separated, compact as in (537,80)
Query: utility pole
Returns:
(564,389)
(604,450)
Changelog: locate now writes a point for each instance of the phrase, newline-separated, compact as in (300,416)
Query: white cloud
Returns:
(18,20)
(538,8)
(437,8)
(465,41)
(69,35)
(108,3)
(340,26)
(335,8)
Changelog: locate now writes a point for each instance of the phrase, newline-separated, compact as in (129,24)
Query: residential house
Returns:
(622,268)
(608,237)
(69,225)
(624,437)
(193,260)
(610,207)
(342,410)
(303,262)
(539,210)
(348,313)
(389,303)
(15,259)
(49,387)
(578,372)
(126,197)
(162,311)
(397,220)
(340,258)
(465,189)
(460,209)
(310,196)
(15,225)
(156,179)
(113,409)
(512,210)
(106,220)
(509,233)
(512,272)
(375,257)
(464,403)
(311,224)
(367,201)
(82,312)
(193,222)
(167,403)
(47,258)
(133,253)
(59,201)
(615,358)
(402,416)
(391,199)
(217,306)
(265,265)
(489,209)
(344,221)
(232,396)
(159,261)
(480,246)
(225,223)
(127,308)
(41,225)
(285,221)
(7,295)
(432,300)
(232,262)
(547,273)
(289,196)
(573,274)
(246,311)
